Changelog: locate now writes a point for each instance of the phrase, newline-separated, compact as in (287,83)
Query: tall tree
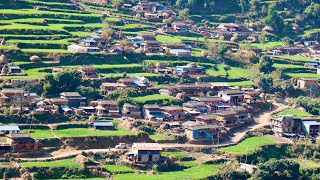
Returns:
(274,20)
(265,64)
(184,14)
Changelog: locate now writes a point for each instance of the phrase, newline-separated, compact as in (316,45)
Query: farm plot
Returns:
(295,112)
(58,163)
(76,132)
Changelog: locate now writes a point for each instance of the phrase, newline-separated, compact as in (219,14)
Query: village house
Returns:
(150,46)
(80,49)
(286,124)
(138,83)
(175,112)
(195,108)
(207,118)
(131,110)
(314,49)
(88,42)
(242,113)
(227,117)
(101,41)
(151,16)
(310,43)
(202,132)
(9,129)
(179,26)
(311,128)
(88,71)
(74,99)
(103,125)
(180,52)
(107,108)
(153,112)
(187,89)
(145,153)
(232,96)
(188,124)
(9,95)
(308,83)
(58,101)
(20,142)
(146,37)
(189,69)
(214,103)
(295,27)
(148,7)
(232,27)
(252,96)
(219,86)
(166,14)
(14,69)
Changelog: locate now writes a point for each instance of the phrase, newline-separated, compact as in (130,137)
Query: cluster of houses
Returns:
(293,126)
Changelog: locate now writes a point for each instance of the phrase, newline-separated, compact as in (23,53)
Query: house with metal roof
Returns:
(311,128)
(145,153)
(9,129)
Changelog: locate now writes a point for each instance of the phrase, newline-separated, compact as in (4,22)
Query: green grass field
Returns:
(286,66)
(157,137)
(168,39)
(248,145)
(295,58)
(114,168)
(295,112)
(177,154)
(306,163)
(197,172)
(306,75)
(74,132)
(267,44)
(58,163)
(152,98)
(39,133)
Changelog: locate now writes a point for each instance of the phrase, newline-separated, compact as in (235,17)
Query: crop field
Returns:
(33,30)
(40,133)
(295,112)
(152,98)
(75,132)
(305,75)
(285,66)
(197,172)
(114,168)
(248,145)
(267,44)
(58,163)
(295,58)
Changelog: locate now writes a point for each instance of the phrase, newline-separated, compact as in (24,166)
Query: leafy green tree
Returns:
(278,169)
(274,20)
(184,14)
(287,41)
(65,81)
(265,64)
(262,38)
(264,82)
(181,3)
(88,92)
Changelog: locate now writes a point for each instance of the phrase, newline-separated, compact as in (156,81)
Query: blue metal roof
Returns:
(103,124)
(9,128)
(311,123)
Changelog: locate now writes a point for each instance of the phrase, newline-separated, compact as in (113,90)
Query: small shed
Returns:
(9,129)
(103,125)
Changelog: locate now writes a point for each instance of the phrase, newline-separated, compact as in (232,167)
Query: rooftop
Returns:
(9,128)
(147,146)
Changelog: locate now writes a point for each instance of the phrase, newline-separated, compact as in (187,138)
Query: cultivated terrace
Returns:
(167,89)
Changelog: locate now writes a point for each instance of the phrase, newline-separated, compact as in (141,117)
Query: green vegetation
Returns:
(152,98)
(295,112)
(284,66)
(177,154)
(57,163)
(306,163)
(168,39)
(114,168)
(267,44)
(306,75)
(40,133)
(197,172)
(248,145)
(294,58)
(73,132)
(157,137)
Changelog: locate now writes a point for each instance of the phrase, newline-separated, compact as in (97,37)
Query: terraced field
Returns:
(44,26)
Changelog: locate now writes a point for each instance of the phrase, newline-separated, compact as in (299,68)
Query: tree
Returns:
(219,49)
(278,169)
(287,41)
(117,3)
(192,3)
(262,38)
(65,81)
(273,19)
(3,59)
(107,34)
(88,92)
(184,14)
(181,3)
(265,82)
(265,64)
